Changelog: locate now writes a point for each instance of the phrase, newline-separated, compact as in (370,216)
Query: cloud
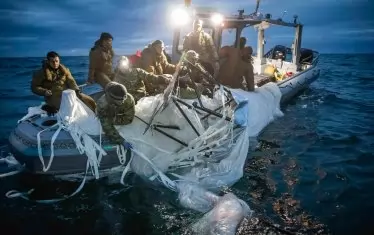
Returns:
(43,17)
(18,39)
(223,5)
(72,26)
(282,36)
(354,31)
(90,4)
(136,41)
(5,48)
(48,15)
(73,51)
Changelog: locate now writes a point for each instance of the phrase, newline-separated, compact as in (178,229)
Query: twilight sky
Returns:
(70,27)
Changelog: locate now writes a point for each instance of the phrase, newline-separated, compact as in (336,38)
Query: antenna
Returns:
(295,19)
(281,17)
(241,12)
(257,6)
(283,14)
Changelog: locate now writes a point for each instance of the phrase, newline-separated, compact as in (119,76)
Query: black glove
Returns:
(78,93)
(51,111)
(164,79)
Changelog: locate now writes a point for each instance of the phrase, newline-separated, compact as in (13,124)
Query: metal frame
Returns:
(177,101)
(239,22)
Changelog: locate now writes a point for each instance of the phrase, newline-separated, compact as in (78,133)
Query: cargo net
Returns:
(193,147)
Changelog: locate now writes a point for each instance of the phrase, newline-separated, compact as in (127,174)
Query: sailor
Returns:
(196,82)
(242,42)
(115,107)
(203,44)
(153,59)
(101,56)
(52,79)
(235,68)
(168,58)
(139,82)
(247,54)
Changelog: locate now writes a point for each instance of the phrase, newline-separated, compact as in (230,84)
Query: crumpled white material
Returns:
(214,158)
(224,218)
(32,111)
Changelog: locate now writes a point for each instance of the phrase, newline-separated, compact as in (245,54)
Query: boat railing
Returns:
(310,57)
(315,58)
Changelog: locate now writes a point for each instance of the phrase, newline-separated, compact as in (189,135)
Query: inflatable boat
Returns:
(24,142)
(34,141)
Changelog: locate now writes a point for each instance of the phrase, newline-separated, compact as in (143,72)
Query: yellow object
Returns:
(278,75)
(269,70)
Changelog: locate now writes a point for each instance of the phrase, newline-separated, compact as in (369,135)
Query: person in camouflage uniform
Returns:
(115,107)
(203,44)
(153,59)
(52,79)
(139,82)
(235,68)
(101,56)
(195,83)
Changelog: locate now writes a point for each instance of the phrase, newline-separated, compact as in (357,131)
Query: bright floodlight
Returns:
(180,17)
(124,63)
(217,19)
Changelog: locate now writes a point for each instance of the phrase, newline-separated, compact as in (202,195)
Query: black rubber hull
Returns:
(294,85)
(67,159)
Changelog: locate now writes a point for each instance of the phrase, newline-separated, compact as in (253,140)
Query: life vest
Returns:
(135,59)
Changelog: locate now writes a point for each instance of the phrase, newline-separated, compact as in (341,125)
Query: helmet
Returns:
(115,92)
(105,35)
(192,56)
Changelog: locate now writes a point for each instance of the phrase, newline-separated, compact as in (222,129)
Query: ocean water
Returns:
(312,172)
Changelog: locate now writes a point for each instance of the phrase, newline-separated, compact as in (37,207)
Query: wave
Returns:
(23,73)
(365,78)
(346,64)
(5,96)
(32,67)
(334,99)
(10,66)
(79,74)
(336,135)
(337,141)
(83,65)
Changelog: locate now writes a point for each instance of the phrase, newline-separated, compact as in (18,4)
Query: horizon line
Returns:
(326,53)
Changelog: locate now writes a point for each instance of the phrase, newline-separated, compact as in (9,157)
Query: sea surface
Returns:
(312,172)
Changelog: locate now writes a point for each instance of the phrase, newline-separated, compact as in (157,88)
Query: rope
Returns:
(11,173)
(40,148)
(25,195)
(201,145)
(164,179)
(121,153)
(32,111)
(83,142)
(127,169)
(10,161)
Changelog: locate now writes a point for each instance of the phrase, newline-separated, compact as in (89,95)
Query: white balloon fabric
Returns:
(208,156)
